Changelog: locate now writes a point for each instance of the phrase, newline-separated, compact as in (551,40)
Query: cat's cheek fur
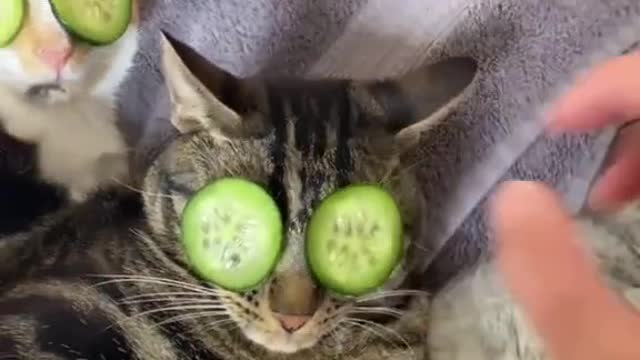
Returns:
(178,204)
(120,65)
(475,319)
(13,74)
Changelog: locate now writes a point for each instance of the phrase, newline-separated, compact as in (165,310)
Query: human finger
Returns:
(550,273)
(607,95)
(620,182)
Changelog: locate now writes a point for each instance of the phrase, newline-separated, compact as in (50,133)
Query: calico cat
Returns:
(109,278)
(58,94)
(474,317)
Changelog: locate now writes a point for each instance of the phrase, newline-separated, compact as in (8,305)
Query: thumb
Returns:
(550,273)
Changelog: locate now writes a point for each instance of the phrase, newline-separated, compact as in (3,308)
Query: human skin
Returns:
(545,264)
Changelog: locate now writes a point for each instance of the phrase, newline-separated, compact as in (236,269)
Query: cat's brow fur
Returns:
(300,140)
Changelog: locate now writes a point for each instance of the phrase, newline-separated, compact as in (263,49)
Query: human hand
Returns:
(544,262)
(549,272)
(608,95)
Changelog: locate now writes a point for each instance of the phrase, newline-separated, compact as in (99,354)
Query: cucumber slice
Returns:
(99,22)
(232,233)
(355,239)
(11,20)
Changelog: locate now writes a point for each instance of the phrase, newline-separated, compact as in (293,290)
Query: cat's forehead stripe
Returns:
(312,138)
(310,149)
(348,113)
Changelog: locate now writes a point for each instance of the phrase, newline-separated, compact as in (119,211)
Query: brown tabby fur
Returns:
(108,279)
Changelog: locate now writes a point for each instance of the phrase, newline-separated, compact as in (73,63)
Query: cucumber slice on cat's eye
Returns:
(232,233)
(99,22)
(11,19)
(355,239)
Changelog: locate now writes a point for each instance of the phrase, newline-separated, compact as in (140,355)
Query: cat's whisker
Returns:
(386,329)
(218,324)
(115,276)
(142,192)
(159,281)
(181,308)
(399,172)
(409,168)
(355,341)
(185,317)
(333,333)
(389,294)
(178,295)
(145,281)
(422,248)
(172,301)
(343,331)
(374,310)
(172,308)
(379,330)
(368,329)
(167,293)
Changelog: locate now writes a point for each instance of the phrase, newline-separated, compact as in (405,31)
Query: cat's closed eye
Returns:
(183,183)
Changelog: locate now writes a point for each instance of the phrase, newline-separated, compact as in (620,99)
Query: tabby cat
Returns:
(58,93)
(109,278)
(474,317)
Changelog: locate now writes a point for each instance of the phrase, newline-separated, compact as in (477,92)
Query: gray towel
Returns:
(528,51)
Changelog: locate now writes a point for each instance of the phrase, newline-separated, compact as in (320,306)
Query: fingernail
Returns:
(599,205)
(554,119)
(506,203)
(599,201)
(596,204)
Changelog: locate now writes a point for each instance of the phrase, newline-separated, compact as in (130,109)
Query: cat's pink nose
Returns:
(56,56)
(292,323)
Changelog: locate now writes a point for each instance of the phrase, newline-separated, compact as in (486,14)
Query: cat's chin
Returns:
(280,342)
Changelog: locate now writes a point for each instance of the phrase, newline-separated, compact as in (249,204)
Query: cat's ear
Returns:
(409,105)
(203,96)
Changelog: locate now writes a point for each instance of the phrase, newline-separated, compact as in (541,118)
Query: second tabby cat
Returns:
(109,278)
